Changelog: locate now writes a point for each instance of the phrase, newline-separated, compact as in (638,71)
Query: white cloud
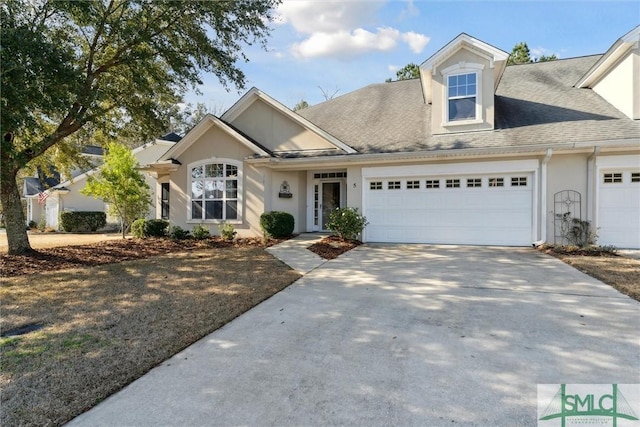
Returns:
(339,29)
(393,68)
(310,17)
(343,43)
(416,42)
(410,10)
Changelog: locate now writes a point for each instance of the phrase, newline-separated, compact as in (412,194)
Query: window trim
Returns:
(612,178)
(240,190)
(413,184)
(375,185)
(394,185)
(462,68)
(165,202)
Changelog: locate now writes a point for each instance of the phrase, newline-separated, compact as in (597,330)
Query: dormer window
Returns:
(463,94)
(462,90)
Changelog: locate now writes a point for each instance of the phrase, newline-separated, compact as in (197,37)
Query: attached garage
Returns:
(618,200)
(477,204)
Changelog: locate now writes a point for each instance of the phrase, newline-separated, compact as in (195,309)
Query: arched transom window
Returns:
(214,191)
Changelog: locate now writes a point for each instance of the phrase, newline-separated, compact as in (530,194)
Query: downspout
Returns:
(543,199)
(591,182)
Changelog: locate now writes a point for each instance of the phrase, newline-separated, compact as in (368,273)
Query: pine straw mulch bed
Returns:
(617,271)
(111,251)
(105,323)
(332,247)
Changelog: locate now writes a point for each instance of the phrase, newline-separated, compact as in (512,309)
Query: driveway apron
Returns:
(397,335)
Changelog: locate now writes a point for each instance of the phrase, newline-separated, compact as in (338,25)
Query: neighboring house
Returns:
(36,185)
(473,152)
(66,196)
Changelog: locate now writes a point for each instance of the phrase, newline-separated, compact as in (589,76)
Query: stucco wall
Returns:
(439,95)
(296,205)
(217,144)
(614,86)
(566,172)
(277,132)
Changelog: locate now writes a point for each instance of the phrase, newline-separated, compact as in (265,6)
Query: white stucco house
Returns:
(472,152)
(66,195)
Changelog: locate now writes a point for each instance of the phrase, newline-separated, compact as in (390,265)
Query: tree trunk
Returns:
(14,216)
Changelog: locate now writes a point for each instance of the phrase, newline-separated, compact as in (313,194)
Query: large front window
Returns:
(462,92)
(214,191)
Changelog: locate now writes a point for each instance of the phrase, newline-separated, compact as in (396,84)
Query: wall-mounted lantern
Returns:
(285,191)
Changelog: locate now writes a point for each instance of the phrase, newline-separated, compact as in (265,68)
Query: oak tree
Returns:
(109,65)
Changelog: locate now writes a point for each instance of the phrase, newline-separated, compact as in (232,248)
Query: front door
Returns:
(330,200)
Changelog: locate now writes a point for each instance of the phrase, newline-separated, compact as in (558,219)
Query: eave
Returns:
(615,53)
(438,155)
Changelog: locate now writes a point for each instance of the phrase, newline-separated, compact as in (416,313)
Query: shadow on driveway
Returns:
(397,335)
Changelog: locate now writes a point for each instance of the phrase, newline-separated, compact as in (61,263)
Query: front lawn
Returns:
(104,326)
(618,272)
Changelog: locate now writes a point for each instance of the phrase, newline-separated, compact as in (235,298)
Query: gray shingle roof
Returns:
(536,104)
(32,186)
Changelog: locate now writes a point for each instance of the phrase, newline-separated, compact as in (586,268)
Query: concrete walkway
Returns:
(405,335)
(294,253)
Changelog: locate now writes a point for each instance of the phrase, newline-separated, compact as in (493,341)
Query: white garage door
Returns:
(619,208)
(487,209)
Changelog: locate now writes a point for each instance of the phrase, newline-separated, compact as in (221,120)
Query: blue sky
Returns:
(344,45)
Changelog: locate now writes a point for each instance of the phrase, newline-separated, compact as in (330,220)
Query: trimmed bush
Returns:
(200,232)
(226,231)
(156,228)
(82,220)
(32,225)
(178,233)
(347,223)
(137,228)
(277,224)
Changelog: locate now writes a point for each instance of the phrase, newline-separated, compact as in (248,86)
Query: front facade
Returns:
(473,152)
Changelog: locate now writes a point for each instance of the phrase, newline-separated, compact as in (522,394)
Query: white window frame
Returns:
(240,190)
(462,68)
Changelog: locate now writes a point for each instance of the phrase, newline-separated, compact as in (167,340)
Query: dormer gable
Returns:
(616,75)
(460,81)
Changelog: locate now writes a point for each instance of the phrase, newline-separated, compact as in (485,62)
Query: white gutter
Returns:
(543,198)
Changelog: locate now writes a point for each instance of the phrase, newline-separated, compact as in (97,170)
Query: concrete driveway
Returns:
(397,335)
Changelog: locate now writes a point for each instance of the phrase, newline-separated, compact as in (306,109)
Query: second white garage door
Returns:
(488,209)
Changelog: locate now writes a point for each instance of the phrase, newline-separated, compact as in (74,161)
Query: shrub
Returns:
(32,225)
(277,224)
(577,232)
(347,223)
(200,232)
(178,233)
(156,228)
(82,220)
(137,228)
(226,231)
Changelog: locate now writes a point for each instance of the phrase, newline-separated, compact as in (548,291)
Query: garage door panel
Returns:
(484,216)
(619,210)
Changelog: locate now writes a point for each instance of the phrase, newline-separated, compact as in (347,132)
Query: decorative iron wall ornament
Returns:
(567,204)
